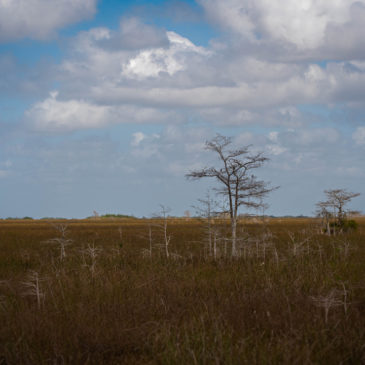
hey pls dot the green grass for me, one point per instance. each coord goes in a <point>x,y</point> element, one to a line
<point>127,306</point>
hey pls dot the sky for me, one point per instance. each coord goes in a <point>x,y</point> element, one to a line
<point>106,105</point>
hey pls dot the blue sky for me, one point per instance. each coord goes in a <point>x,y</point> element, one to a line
<point>106,105</point>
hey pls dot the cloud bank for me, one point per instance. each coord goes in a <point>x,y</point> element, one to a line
<point>110,74</point>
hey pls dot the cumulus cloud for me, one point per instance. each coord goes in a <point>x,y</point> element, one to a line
<point>40,19</point>
<point>303,24</point>
<point>115,77</point>
<point>91,63</point>
<point>171,60</point>
<point>184,75</point>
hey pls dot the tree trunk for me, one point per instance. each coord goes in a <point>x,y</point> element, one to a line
<point>210,236</point>
<point>234,238</point>
<point>215,246</point>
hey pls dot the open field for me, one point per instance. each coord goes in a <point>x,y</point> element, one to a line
<point>112,297</point>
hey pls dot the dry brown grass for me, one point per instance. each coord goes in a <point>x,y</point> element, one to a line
<point>294,295</point>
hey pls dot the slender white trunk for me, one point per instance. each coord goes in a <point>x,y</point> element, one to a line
<point>234,238</point>
<point>215,246</point>
<point>210,238</point>
<point>167,240</point>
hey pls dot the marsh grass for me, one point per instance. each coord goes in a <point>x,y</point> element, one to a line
<point>293,296</point>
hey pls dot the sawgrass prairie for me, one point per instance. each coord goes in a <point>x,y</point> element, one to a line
<point>103,291</point>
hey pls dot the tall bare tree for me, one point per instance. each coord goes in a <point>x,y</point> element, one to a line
<point>237,184</point>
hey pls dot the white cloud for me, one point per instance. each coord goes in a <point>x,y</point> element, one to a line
<point>52,114</point>
<point>39,19</point>
<point>303,85</point>
<point>150,63</point>
<point>245,95</point>
<point>114,81</point>
<point>273,136</point>
<point>359,136</point>
<point>302,23</point>
<point>274,149</point>
<point>320,153</point>
<point>55,115</point>
<point>138,137</point>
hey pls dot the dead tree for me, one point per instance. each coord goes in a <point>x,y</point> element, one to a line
<point>237,185</point>
<point>61,241</point>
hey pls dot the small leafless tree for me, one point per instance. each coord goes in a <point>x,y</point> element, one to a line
<point>208,211</point>
<point>163,214</point>
<point>335,298</point>
<point>63,241</point>
<point>32,286</point>
<point>237,184</point>
<point>92,252</point>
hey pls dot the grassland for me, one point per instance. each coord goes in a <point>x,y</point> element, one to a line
<point>294,296</point>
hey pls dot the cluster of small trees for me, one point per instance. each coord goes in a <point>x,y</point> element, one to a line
<point>335,217</point>
<point>240,187</point>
